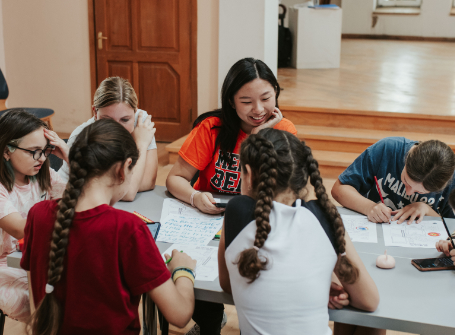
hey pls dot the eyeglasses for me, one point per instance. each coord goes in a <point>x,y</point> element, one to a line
<point>37,153</point>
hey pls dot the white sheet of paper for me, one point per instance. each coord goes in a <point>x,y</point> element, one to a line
<point>206,257</point>
<point>360,229</point>
<point>422,235</point>
<point>189,229</point>
<point>174,206</point>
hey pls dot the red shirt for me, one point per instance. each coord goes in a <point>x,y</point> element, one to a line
<point>111,259</point>
<point>215,174</point>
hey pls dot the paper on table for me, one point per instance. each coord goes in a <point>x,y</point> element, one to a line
<point>360,229</point>
<point>206,257</point>
<point>174,206</point>
<point>422,235</point>
<point>189,230</point>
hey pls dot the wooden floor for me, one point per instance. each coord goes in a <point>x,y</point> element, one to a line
<point>379,75</point>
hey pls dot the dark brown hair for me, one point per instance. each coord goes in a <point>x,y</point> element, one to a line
<point>241,73</point>
<point>279,161</point>
<point>14,125</point>
<point>431,163</point>
<point>96,149</point>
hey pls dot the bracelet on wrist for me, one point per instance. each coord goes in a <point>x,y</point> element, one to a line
<point>182,268</point>
<point>182,273</point>
<point>192,197</point>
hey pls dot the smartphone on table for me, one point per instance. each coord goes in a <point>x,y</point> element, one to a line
<point>433,264</point>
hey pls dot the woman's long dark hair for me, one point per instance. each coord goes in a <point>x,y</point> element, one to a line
<point>15,124</point>
<point>241,73</point>
<point>96,149</point>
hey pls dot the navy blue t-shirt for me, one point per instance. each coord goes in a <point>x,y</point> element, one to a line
<point>385,160</point>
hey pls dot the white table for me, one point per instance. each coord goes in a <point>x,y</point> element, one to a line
<point>411,301</point>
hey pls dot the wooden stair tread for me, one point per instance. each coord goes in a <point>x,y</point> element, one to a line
<point>365,135</point>
<point>176,145</point>
<point>334,158</point>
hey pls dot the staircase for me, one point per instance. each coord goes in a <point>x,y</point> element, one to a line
<point>337,136</point>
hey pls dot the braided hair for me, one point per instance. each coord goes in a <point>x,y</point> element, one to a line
<point>279,161</point>
<point>96,149</point>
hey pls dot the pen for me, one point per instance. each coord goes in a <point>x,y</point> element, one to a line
<point>379,191</point>
<point>170,259</point>
<point>447,229</point>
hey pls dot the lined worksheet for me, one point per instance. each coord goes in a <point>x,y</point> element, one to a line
<point>206,257</point>
<point>174,206</point>
<point>360,229</point>
<point>422,235</point>
<point>191,230</point>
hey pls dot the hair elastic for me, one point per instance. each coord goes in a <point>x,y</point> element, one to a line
<point>192,198</point>
<point>255,248</point>
<point>49,288</point>
<point>343,254</point>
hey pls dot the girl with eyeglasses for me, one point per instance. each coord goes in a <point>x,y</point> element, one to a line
<point>25,179</point>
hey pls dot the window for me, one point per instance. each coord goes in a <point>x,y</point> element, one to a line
<point>400,3</point>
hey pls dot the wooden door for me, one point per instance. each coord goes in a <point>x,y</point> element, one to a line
<point>152,43</point>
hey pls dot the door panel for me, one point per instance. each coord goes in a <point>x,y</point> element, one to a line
<point>162,95</point>
<point>121,69</point>
<point>161,32</point>
<point>119,27</point>
<point>149,42</point>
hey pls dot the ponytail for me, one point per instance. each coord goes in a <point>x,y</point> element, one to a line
<point>250,264</point>
<point>344,269</point>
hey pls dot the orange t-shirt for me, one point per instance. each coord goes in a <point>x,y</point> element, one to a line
<point>215,174</point>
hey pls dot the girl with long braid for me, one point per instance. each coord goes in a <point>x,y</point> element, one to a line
<point>277,252</point>
<point>100,260</point>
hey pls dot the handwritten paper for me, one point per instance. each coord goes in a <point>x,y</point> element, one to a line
<point>189,230</point>
<point>174,206</point>
<point>415,235</point>
<point>206,257</point>
<point>360,229</point>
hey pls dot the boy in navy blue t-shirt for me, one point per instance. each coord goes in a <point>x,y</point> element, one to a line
<point>415,180</point>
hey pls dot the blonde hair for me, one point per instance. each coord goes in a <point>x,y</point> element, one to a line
<point>114,90</point>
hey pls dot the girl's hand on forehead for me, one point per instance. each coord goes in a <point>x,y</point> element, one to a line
<point>144,131</point>
<point>61,149</point>
<point>271,122</point>
<point>205,202</point>
<point>415,211</point>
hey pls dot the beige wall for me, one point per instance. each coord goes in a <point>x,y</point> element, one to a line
<point>46,57</point>
<point>2,46</point>
<point>207,54</point>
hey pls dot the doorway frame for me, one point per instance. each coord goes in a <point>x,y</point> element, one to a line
<point>193,54</point>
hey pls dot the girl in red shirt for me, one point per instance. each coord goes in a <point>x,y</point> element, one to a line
<point>100,259</point>
<point>249,103</point>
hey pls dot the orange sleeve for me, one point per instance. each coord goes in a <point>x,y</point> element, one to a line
<point>286,125</point>
<point>197,150</point>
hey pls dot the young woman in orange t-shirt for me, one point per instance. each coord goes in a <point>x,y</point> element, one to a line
<point>249,103</point>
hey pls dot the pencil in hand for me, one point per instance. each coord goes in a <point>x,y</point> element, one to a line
<point>379,191</point>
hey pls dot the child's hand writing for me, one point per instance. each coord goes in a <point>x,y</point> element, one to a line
<point>338,297</point>
<point>205,202</point>
<point>271,122</point>
<point>144,131</point>
<point>447,248</point>
<point>61,148</point>
<point>414,211</point>
<point>379,213</point>
<point>180,259</point>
